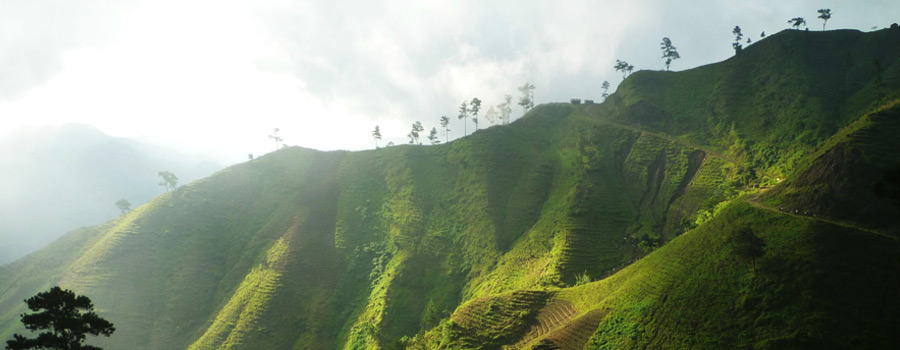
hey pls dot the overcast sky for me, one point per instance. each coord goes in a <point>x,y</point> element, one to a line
<point>216,76</point>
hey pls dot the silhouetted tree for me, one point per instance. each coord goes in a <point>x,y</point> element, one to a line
<point>464,114</point>
<point>376,134</point>
<point>825,15</point>
<point>276,138</point>
<point>124,205</point>
<point>736,45</point>
<point>762,35</point>
<point>747,245</point>
<point>505,108</point>
<point>527,99</point>
<point>623,67</point>
<point>796,22</point>
<point>475,107</point>
<point>445,123</point>
<point>432,136</point>
<point>249,156</point>
<point>414,133</point>
<point>605,88</point>
<point>669,52</point>
<point>68,319</point>
<point>168,179</point>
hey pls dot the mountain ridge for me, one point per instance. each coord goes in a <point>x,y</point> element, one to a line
<point>493,240</point>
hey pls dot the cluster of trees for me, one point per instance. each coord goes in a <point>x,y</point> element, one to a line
<point>796,22</point>
<point>167,179</point>
<point>824,15</point>
<point>496,114</point>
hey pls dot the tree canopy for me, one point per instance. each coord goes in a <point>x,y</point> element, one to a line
<point>796,22</point>
<point>169,180</point>
<point>669,52</point>
<point>124,205</point>
<point>825,15</point>
<point>624,67</point>
<point>376,134</point>
<point>736,45</point>
<point>464,114</point>
<point>68,319</point>
<point>445,123</point>
<point>527,99</point>
<point>475,107</point>
<point>414,133</point>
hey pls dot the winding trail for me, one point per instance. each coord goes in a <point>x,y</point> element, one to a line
<point>752,199</point>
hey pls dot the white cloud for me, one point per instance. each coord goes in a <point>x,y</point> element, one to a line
<point>216,76</point>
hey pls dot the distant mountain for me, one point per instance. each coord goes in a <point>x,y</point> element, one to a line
<point>745,204</point>
<point>56,179</point>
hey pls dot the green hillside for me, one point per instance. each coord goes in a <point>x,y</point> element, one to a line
<point>493,240</point>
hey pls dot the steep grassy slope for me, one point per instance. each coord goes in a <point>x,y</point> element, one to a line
<point>492,240</point>
<point>774,102</point>
<point>315,250</point>
<point>817,285</point>
<point>847,178</point>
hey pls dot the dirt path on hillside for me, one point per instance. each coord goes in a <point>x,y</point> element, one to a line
<point>752,199</point>
<point>668,137</point>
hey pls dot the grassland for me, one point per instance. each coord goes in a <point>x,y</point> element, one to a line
<point>596,226</point>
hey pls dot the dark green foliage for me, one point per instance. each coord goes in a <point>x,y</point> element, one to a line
<point>623,67</point>
<point>737,46</point>
<point>669,52</point>
<point>825,15</point>
<point>67,318</point>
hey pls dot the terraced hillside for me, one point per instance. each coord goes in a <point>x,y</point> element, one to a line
<point>493,240</point>
<point>325,250</point>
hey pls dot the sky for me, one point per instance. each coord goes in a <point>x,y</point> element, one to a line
<point>215,77</point>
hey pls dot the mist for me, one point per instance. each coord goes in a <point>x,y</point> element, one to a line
<point>57,179</point>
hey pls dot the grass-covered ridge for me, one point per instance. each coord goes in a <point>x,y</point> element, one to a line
<point>592,226</point>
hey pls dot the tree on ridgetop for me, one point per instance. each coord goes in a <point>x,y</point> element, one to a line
<point>68,319</point>
<point>669,52</point>
<point>623,67</point>
<point>432,136</point>
<point>505,109</point>
<point>491,115</point>
<point>414,133</point>
<point>605,88</point>
<point>736,45</point>
<point>825,15</point>
<point>277,138</point>
<point>796,22</point>
<point>376,134</point>
<point>475,107</point>
<point>445,123</point>
<point>168,179</point>
<point>527,99</point>
<point>464,114</point>
<point>124,205</point>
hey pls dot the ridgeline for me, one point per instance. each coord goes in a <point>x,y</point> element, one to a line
<point>751,203</point>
